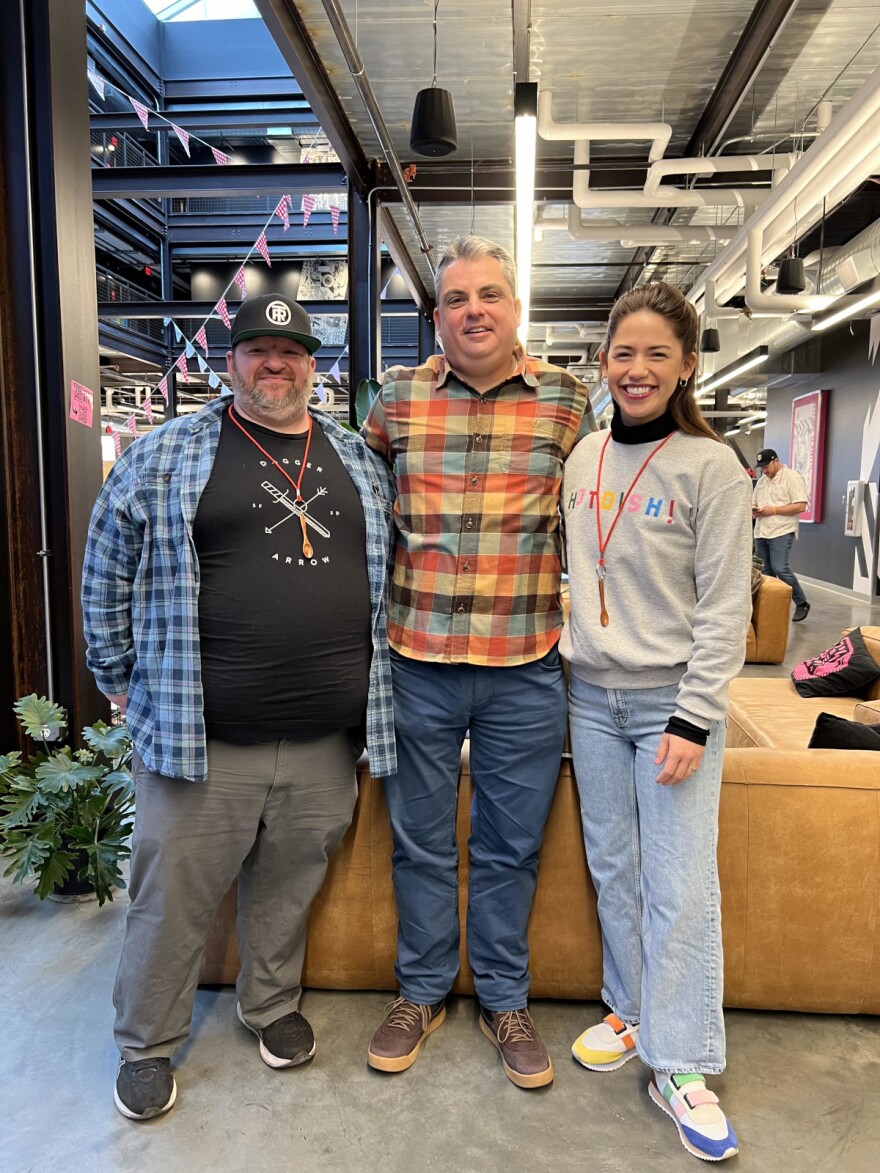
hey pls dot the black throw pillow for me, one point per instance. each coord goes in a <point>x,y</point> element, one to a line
<point>843,670</point>
<point>832,732</point>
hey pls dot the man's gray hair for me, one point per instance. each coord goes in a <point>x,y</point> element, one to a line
<point>471,248</point>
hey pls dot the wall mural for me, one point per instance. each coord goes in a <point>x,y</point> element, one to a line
<point>807,447</point>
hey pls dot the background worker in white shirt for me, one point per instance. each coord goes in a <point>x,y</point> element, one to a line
<point>779,498</point>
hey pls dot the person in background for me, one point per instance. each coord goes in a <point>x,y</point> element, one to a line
<point>658,538</point>
<point>233,595</point>
<point>779,498</point>
<point>477,437</point>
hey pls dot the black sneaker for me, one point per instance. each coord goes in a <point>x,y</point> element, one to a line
<point>144,1088</point>
<point>801,611</point>
<point>287,1042</point>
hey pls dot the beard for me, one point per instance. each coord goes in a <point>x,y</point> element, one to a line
<point>281,407</point>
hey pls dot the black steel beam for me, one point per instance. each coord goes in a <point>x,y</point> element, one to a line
<point>112,183</point>
<point>423,298</point>
<point>203,309</point>
<point>240,229</point>
<point>198,120</point>
<point>766,22</point>
<point>566,309</point>
<point>234,89</point>
<point>289,32</point>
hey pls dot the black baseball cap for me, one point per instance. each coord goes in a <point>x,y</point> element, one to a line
<point>765,456</point>
<point>275,315</point>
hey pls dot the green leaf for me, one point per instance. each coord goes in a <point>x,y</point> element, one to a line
<point>111,742</point>
<point>21,805</point>
<point>61,772</point>
<point>10,762</point>
<point>367,390</point>
<point>118,781</point>
<point>29,854</point>
<point>37,714</point>
<point>55,870</point>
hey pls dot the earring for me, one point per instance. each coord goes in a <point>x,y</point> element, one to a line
<point>682,382</point>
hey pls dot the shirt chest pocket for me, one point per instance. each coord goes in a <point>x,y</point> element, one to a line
<point>530,450</point>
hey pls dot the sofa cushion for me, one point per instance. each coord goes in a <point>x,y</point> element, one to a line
<point>767,711</point>
<point>832,732</point>
<point>842,670</point>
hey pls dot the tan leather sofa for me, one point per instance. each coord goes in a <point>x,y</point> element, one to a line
<point>767,639</point>
<point>799,859</point>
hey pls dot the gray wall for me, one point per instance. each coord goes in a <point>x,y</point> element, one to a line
<point>823,552</point>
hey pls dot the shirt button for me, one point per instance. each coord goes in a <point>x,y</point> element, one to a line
<point>478,439</point>
<point>461,610</point>
<point>469,524</point>
<point>466,566</point>
<point>475,480</point>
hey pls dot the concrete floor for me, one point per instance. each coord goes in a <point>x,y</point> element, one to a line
<point>803,1091</point>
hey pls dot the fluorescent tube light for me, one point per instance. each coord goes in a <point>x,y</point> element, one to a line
<point>849,311</point>
<point>732,432</point>
<point>525,108</point>
<point>727,374</point>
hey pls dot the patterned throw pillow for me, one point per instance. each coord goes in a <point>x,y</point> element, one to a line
<point>843,670</point>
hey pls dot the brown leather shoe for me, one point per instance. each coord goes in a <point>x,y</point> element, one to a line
<point>523,1055</point>
<point>395,1045</point>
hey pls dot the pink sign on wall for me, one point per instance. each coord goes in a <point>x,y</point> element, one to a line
<point>807,451</point>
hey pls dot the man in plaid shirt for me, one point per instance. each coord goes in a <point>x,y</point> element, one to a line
<point>476,437</point>
<point>234,601</point>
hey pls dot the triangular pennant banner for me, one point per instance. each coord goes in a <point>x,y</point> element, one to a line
<point>183,135</point>
<point>308,206</point>
<point>334,216</point>
<point>117,442</point>
<point>142,112</point>
<point>189,350</point>
<point>219,158</point>
<point>178,336</point>
<point>213,379</point>
<point>321,392</point>
<point>239,280</point>
<point>202,338</point>
<point>148,409</point>
<point>97,81</point>
<point>181,366</point>
<point>281,212</point>
<point>132,425</point>
<point>203,366</point>
<point>262,247</point>
<point>223,311</point>
<point>163,387</point>
<point>333,373</point>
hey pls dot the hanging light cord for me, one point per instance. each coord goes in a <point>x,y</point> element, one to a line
<point>436,6</point>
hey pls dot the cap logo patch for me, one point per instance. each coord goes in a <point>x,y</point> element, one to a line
<point>278,313</point>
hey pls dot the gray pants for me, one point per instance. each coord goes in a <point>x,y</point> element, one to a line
<point>270,814</point>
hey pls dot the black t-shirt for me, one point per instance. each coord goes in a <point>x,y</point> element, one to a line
<point>285,637</point>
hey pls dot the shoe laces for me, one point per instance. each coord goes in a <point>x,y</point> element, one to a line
<point>514,1026</point>
<point>404,1015</point>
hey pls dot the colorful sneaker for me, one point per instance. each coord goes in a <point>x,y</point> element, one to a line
<point>144,1088</point>
<point>702,1126</point>
<point>523,1054</point>
<point>607,1045</point>
<point>396,1044</point>
<point>286,1042</point>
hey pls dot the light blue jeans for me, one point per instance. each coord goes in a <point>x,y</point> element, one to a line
<point>652,856</point>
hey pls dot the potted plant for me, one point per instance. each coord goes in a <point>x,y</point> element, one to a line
<point>65,814</point>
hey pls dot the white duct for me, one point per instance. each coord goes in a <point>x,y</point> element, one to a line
<point>635,235</point>
<point>778,303</point>
<point>714,166</point>
<point>837,162</point>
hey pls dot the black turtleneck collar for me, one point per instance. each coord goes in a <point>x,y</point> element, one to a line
<point>653,430</point>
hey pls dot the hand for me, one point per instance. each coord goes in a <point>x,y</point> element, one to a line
<point>681,758</point>
<point>120,700</point>
<point>763,510</point>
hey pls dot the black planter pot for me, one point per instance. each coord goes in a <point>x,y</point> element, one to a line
<point>74,890</point>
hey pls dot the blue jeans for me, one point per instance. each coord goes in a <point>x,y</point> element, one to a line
<point>516,717</point>
<point>774,553</point>
<point>652,856</point>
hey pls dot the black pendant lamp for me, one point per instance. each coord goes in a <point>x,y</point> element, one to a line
<point>792,276</point>
<point>433,122</point>
<point>710,340</point>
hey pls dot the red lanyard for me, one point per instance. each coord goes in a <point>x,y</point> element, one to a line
<point>603,545</point>
<point>299,503</point>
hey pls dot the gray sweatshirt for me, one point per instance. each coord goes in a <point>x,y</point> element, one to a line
<point>678,569</point>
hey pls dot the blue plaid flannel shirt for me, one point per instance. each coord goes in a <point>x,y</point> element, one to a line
<point>140,588</point>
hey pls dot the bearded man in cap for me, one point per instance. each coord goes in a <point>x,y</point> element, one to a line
<point>233,598</point>
<point>778,500</point>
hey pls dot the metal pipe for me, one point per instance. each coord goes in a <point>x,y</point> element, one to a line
<point>358,72</point>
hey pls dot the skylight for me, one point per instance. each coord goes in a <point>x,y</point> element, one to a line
<point>181,10</point>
